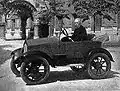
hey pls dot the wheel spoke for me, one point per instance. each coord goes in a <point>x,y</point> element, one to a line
<point>104,66</point>
<point>29,75</point>
<point>97,70</point>
<point>99,59</point>
<point>17,67</point>
<point>93,64</point>
<point>92,67</point>
<point>100,70</point>
<point>103,70</point>
<point>27,72</point>
<point>94,70</point>
<point>33,78</point>
<point>102,62</point>
<point>41,69</point>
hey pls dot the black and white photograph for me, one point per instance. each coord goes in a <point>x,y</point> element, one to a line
<point>59,45</point>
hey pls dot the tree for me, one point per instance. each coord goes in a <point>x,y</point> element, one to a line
<point>92,8</point>
<point>4,9</point>
<point>4,6</point>
<point>115,8</point>
<point>55,9</point>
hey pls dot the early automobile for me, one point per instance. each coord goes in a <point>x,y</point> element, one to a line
<point>32,62</point>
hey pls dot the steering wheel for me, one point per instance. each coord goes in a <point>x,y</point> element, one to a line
<point>64,31</point>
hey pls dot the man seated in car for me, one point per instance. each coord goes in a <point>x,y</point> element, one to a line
<point>80,33</point>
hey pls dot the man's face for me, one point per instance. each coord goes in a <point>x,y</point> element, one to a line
<point>77,24</point>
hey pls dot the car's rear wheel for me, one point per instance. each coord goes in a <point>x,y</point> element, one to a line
<point>35,73</point>
<point>99,66</point>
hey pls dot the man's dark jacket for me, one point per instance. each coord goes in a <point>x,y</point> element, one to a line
<point>79,34</point>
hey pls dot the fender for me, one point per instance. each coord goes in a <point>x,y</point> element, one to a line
<point>18,51</point>
<point>100,50</point>
<point>31,55</point>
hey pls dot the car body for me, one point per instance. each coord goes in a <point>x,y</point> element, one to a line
<point>56,49</point>
<point>52,51</point>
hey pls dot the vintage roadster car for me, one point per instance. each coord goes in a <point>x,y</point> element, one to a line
<point>33,61</point>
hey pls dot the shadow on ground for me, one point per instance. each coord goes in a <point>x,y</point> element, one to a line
<point>4,54</point>
<point>114,74</point>
<point>69,75</point>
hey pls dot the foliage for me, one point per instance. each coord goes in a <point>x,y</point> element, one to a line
<point>83,9</point>
<point>115,6</point>
<point>90,7</point>
<point>4,6</point>
<point>55,8</point>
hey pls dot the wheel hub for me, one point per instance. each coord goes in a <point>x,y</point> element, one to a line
<point>98,65</point>
<point>34,72</point>
<point>36,75</point>
<point>34,69</point>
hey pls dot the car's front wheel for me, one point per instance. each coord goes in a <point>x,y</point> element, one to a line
<point>35,72</point>
<point>15,65</point>
<point>99,66</point>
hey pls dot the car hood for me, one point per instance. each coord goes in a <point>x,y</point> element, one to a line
<point>39,41</point>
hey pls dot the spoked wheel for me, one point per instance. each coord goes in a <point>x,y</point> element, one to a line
<point>15,65</point>
<point>99,66</point>
<point>35,73</point>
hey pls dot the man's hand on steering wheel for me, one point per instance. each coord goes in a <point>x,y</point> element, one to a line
<point>64,31</point>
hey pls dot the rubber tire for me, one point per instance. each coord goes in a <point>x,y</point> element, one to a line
<point>92,75</point>
<point>30,82</point>
<point>13,68</point>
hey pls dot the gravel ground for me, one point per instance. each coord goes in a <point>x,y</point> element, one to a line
<point>6,47</point>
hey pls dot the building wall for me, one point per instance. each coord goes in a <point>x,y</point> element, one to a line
<point>13,28</point>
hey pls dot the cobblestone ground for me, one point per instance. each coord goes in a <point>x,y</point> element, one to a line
<point>60,79</point>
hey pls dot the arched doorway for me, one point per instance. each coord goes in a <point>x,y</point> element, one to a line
<point>24,11</point>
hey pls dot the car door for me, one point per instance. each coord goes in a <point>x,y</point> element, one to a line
<point>76,49</point>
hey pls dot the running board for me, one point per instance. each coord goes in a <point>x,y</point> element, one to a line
<point>74,65</point>
<point>70,65</point>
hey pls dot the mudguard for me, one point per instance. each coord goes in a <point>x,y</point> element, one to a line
<point>32,55</point>
<point>100,50</point>
<point>18,52</point>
